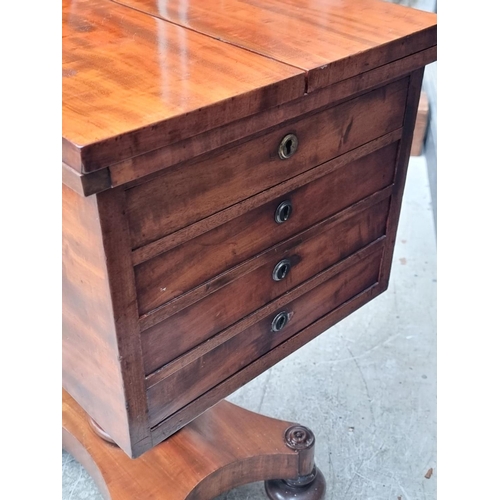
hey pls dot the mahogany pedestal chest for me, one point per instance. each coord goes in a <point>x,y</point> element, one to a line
<point>232,180</point>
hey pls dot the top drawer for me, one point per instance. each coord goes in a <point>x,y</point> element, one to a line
<point>185,194</point>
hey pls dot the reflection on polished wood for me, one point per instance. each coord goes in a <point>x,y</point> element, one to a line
<point>331,39</point>
<point>128,73</point>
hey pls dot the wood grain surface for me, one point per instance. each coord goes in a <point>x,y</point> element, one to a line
<point>184,195</point>
<point>91,370</point>
<point>203,373</point>
<point>132,83</point>
<point>182,417</point>
<point>102,358</point>
<point>255,317</point>
<point>186,151</point>
<point>309,254</point>
<point>192,231</point>
<point>187,266</point>
<point>330,39</point>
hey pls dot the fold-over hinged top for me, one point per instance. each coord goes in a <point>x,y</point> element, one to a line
<point>139,75</point>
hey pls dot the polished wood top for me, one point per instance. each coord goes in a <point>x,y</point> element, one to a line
<point>147,74</point>
<point>133,83</point>
<point>331,39</point>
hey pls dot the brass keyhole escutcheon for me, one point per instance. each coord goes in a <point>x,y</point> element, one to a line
<point>288,146</point>
<point>279,321</point>
<point>283,212</point>
<point>281,270</point>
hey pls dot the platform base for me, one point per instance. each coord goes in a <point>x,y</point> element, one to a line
<point>225,447</point>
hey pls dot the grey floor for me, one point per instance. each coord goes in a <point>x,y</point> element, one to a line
<point>366,387</point>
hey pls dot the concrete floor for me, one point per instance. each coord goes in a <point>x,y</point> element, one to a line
<point>366,387</point>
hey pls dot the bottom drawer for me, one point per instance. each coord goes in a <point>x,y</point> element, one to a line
<point>194,379</point>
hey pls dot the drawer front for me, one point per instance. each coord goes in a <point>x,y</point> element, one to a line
<point>274,273</point>
<point>205,372</point>
<point>179,270</point>
<point>188,193</point>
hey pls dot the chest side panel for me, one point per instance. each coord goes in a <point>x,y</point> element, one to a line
<point>102,359</point>
<point>91,370</point>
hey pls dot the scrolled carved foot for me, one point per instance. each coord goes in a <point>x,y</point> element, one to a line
<point>310,487</point>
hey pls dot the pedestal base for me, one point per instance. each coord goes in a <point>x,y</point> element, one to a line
<point>225,447</point>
